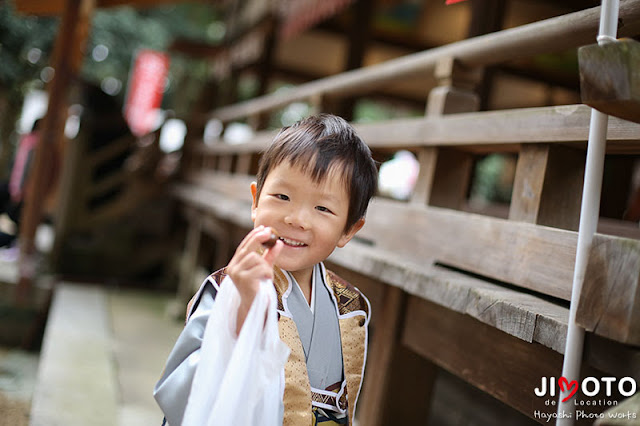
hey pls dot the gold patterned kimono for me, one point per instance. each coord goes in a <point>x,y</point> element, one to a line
<point>353,312</point>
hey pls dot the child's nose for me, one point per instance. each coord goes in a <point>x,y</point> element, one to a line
<point>298,218</point>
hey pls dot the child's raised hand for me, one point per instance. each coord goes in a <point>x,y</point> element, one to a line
<point>248,267</point>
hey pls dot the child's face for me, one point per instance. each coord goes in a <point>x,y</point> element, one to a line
<point>309,217</point>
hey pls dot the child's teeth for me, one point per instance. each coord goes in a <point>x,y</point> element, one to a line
<point>291,242</point>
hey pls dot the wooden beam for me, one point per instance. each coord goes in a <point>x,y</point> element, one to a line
<point>358,37</point>
<point>523,41</point>
<point>68,52</point>
<point>386,398</point>
<point>487,131</point>
<point>501,365</point>
<point>508,368</point>
<point>609,78</point>
<point>610,299</point>
<point>541,258</point>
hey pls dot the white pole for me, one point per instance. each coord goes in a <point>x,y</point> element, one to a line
<point>589,213</point>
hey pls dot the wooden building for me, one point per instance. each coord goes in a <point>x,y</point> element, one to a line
<point>471,302</point>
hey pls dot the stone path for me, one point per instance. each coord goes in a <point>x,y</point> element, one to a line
<point>142,339</point>
<point>102,353</point>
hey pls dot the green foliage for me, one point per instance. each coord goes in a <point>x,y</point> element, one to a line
<point>20,35</point>
<point>368,110</point>
<point>489,183</point>
<point>123,31</point>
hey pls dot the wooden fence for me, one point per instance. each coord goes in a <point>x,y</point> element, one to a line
<point>482,296</point>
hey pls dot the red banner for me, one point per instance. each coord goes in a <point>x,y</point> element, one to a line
<point>145,89</point>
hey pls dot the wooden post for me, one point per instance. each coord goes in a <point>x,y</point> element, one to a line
<point>358,37</point>
<point>67,59</point>
<point>547,188</point>
<point>189,261</point>
<point>609,78</point>
<point>445,172</point>
<point>265,66</point>
<point>387,399</point>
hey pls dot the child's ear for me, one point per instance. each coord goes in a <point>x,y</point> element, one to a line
<point>254,204</point>
<point>347,236</point>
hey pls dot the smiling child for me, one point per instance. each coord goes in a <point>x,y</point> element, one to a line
<point>313,188</point>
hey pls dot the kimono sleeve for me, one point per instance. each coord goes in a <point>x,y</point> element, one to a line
<point>172,390</point>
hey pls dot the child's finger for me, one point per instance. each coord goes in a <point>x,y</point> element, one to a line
<point>250,237</point>
<point>272,253</point>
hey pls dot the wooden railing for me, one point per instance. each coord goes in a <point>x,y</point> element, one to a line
<point>481,296</point>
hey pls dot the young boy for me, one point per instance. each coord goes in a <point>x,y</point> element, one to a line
<point>313,188</point>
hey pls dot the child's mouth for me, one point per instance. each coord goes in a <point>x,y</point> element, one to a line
<point>292,243</point>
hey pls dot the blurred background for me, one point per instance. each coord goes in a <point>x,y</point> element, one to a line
<point>99,213</point>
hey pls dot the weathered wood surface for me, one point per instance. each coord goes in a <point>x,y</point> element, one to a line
<point>610,299</point>
<point>499,364</point>
<point>526,255</point>
<point>488,131</point>
<point>547,188</point>
<point>66,60</point>
<point>610,78</point>
<point>555,34</point>
<point>627,413</point>
<point>522,315</point>
<point>385,398</point>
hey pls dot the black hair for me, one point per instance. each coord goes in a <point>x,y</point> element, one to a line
<point>319,143</point>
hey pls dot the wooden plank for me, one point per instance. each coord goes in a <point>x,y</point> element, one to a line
<point>235,186</point>
<point>626,413</point>
<point>548,186</point>
<point>614,358</point>
<point>610,299</point>
<point>113,149</point>
<point>507,368</point>
<point>522,315</point>
<point>523,41</point>
<point>609,78</point>
<point>479,131</point>
<point>222,206</point>
<point>540,258</point>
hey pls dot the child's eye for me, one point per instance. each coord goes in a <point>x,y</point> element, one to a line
<point>281,197</point>
<point>323,209</point>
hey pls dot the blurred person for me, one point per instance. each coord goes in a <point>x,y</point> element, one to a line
<point>12,192</point>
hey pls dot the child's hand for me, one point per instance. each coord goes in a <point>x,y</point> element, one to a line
<point>248,267</point>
